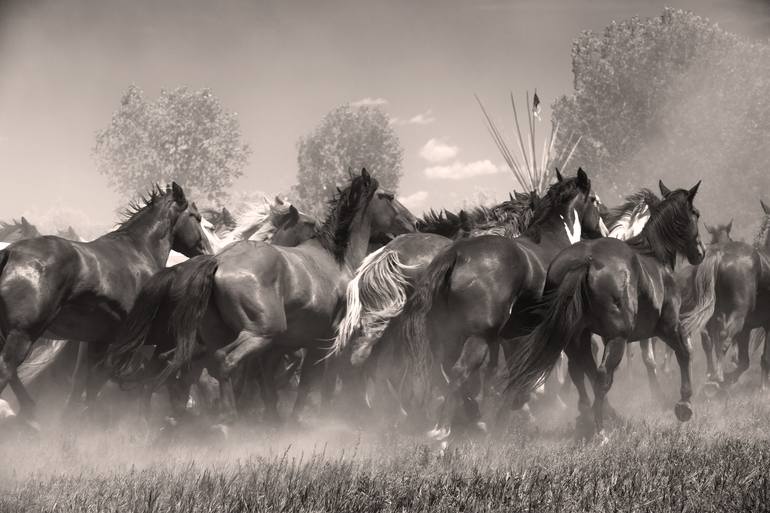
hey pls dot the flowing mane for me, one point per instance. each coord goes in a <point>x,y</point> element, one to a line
<point>558,194</point>
<point>762,238</point>
<point>509,218</point>
<point>631,206</point>
<point>664,234</point>
<point>334,233</point>
<point>136,207</point>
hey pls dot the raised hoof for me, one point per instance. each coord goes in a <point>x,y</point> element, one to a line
<point>584,428</point>
<point>438,434</point>
<point>683,411</point>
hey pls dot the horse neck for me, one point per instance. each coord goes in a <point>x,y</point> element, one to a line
<point>553,238</point>
<point>358,241</point>
<point>151,233</point>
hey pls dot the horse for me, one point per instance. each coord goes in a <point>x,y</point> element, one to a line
<point>731,297</point>
<point>148,321</point>
<point>378,291</point>
<point>55,288</point>
<point>620,290</point>
<point>16,230</point>
<point>474,290</point>
<point>254,296</point>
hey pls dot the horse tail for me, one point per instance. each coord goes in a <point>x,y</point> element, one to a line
<point>433,283</point>
<point>699,299</point>
<point>134,329</point>
<point>375,295</point>
<point>191,296</point>
<point>534,355</point>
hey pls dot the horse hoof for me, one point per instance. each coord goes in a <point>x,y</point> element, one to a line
<point>602,438</point>
<point>683,411</point>
<point>712,389</point>
<point>482,427</point>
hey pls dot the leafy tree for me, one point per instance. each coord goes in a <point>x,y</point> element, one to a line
<point>673,97</point>
<point>347,138</point>
<point>185,136</point>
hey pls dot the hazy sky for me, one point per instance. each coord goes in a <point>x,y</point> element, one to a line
<point>281,65</point>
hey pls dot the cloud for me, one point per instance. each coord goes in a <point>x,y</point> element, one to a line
<point>414,200</point>
<point>460,170</point>
<point>423,118</point>
<point>436,151</point>
<point>369,102</point>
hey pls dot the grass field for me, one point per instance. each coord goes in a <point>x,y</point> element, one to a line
<point>720,461</point>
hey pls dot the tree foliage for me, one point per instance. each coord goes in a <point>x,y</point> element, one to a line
<point>673,97</point>
<point>185,136</point>
<point>348,138</point>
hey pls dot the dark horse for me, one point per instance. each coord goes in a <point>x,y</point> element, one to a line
<point>622,291</point>
<point>255,296</point>
<point>476,290</point>
<point>730,297</point>
<point>81,291</point>
<point>148,321</point>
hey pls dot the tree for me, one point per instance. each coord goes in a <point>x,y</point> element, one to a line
<point>673,97</point>
<point>347,138</point>
<point>184,136</point>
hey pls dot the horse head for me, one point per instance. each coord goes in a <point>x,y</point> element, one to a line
<point>678,219</point>
<point>187,236</point>
<point>720,233</point>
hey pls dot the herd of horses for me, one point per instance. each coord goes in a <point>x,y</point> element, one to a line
<point>399,320</point>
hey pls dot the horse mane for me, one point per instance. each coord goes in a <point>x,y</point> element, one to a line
<point>509,218</point>
<point>546,207</point>
<point>762,237</point>
<point>138,206</point>
<point>630,206</point>
<point>663,235</point>
<point>334,233</point>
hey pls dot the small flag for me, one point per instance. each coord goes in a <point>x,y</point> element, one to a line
<point>536,106</point>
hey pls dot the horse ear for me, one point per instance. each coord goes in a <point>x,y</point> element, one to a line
<point>278,200</point>
<point>510,197</point>
<point>178,193</point>
<point>293,216</point>
<point>665,191</point>
<point>24,221</point>
<point>365,175</point>
<point>765,207</point>
<point>692,192</point>
<point>729,226</point>
<point>582,179</point>
<point>559,178</point>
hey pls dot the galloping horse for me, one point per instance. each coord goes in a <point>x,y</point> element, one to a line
<point>378,291</point>
<point>255,296</point>
<point>148,323</point>
<point>81,291</point>
<point>477,288</point>
<point>730,297</point>
<point>621,291</point>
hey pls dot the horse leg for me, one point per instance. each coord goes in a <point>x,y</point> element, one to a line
<point>311,371</point>
<point>266,377</point>
<point>79,376</point>
<point>226,359</point>
<point>708,346</point>
<point>17,346</point>
<point>742,340</point>
<point>675,336</point>
<point>765,360</point>
<point>613,354</point>
<point>579,351</point>
<point>648,357</point>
